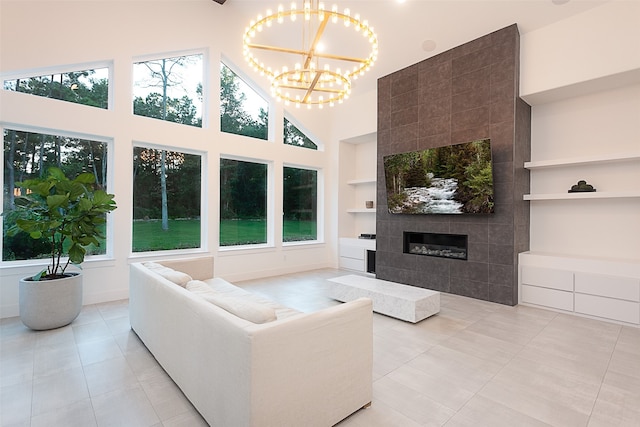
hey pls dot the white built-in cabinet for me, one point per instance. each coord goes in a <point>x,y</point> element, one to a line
<point>605,289</point>
<point>353,253</point>
<point>603,285</point>
<point>357,185</point>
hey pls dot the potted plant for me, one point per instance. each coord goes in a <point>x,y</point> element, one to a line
<point>69,214</point>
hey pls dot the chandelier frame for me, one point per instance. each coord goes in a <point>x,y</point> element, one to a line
<point>308,77</point>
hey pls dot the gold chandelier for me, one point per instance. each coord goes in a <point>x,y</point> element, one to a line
<point>289,47</point>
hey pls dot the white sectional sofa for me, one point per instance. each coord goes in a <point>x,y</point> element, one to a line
<point>299,369</point>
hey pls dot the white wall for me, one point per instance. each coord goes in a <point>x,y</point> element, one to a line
<point>582,78</point>
<point>68,33</point>
<point>596,50</point>
<point>598,124</point>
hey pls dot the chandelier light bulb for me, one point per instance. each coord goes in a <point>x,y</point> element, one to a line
<point>280,16</point>
<point>307,10</point>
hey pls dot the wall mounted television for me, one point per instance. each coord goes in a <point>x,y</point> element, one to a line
<point>454,179</point>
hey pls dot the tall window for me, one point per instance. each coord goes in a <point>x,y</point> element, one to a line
<point>294,136</point>
<point>166,200</point>
<point>169,89</point>
<point>242,110</point>
<point>87,87</point>
<point>300,205</point>
<point>243,202</point>
<point>28,155</point>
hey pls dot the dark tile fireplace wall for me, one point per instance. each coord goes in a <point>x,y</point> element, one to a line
<point>467,93</point>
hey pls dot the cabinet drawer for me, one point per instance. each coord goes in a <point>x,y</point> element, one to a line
<point>627,288</point>
<point>352,264</point>
<point>352,252</point>
<point>547,278</point>
<point>547,297</point>
<point>609,308</point>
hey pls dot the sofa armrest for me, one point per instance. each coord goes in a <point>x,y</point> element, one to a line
<point>314,368</point>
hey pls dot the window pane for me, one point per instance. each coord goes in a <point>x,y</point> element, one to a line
<point>87,87</point>
<point>300,202</point>
<point>242,110</point>
<point>166,200</point>
<point>293,136</point>
<point>29,155</point>
<point>243,203</point>
<point>169,89</point>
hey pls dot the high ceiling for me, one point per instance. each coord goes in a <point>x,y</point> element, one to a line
<point>412,31</point>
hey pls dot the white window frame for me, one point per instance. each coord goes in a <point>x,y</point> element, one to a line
<point>270,221</point>
<point>319,203</point>
<point>254,86</point>
<point>60,69</point>
<point>204,223</point>
<point>302,129</point>
<point>206,89</point>
<point>110,230</point>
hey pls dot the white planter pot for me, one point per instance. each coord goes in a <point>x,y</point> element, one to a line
<point>50,304</point>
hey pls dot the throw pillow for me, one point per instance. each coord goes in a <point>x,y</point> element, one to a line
<point>199,287</point>
<point>241,307</point>
<point>177,277</point>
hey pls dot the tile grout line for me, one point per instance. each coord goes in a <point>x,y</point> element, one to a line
<point>504,366</point>
<point>605,373</point>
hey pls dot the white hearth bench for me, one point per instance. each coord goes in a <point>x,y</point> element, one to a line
<point>403,302</point>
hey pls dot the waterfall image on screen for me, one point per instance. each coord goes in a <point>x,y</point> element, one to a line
<point>455,179</point>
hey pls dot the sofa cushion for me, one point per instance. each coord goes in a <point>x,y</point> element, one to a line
<point>177,277</point>
<point>239,306</point>
<point>199,287</point>
<point>223,287</point>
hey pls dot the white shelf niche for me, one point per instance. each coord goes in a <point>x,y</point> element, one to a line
<point>615,157</point>
<point>586,195</point>
<point>361,210</point>
<point>361,181</point>
<point>357,167</point>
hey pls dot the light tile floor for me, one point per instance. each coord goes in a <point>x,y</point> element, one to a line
<point>474,364</point>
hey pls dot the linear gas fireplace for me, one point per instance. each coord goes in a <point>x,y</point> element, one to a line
<point>436,244</point>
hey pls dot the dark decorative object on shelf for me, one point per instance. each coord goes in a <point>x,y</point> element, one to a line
<point>582,187</point>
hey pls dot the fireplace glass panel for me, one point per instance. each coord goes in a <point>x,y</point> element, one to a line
<point>436,244</point>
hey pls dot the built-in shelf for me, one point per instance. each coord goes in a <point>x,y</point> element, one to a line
<point>361,210</point>
<point>591,195</point>
<point>361,181</point>
<point>619,157</point>
<point>357,165</point>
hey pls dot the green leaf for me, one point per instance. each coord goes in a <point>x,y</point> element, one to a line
<point>38,276</point>
<point>100,197</point>
<point>57,174</point>
<point>57,201</point>
<point>85,178</point>
<point>76,253</point>
<point>40,188</point>
<point>85,204</point>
